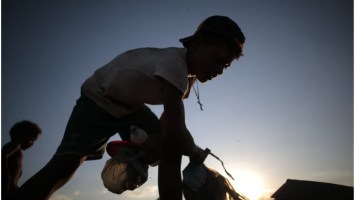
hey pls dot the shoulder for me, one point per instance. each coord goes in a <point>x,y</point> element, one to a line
<point>5,146</point>
<point>18,153</point>
<point>9,148</point>
<point>172,67</point>
<point>152,55</point>
<point>168,51</point>
<point>173,57</point>
<point>174,52</point>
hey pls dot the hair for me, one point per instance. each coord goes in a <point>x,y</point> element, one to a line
<point>25,128</point>
<point>217,40</point>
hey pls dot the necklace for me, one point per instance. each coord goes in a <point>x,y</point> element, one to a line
<point>197,95</point>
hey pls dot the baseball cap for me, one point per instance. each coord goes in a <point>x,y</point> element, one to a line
<point>219,26</point>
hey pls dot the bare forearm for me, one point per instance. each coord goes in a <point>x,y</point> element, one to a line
<point>180,140</point>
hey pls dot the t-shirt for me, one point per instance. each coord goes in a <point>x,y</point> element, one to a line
<point>129,81</point>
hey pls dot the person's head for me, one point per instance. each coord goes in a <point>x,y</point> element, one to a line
<point>26,133</point>
<point>217,42</point>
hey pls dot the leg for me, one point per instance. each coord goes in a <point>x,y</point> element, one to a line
<point>169,176</point>
<point>169,171</point>
<point>59,170</point>
<point>87,132</point>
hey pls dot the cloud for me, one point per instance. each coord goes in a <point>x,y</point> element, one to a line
<point>77,192</point>
<point>59,197</point>
<point>144,192</point>
<point>104,191</point>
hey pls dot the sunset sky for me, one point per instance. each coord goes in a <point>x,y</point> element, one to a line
<point>283,111</point>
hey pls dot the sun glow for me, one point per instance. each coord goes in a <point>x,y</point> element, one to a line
<point>247,183</point>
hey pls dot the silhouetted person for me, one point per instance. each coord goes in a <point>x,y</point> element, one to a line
<point>23,134</point>
<point>114,98</point>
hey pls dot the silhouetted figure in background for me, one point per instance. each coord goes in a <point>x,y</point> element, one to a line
<point>23,134</point>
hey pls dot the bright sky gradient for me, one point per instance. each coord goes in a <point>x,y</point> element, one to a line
<point>283,111</point>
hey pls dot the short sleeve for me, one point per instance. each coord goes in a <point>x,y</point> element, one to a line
<point>173,70</point>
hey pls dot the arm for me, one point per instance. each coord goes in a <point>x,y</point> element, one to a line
<point>186,95</point>
<point>179,141</point>
<point>172,121</point>
<point>162,120</point>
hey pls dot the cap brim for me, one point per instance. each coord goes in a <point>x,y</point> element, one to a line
<point>183,40</point>
<point>112,146</point>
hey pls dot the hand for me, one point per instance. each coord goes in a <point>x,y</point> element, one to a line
<point>200,156</point>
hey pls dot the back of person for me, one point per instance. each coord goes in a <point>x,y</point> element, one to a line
<point>128,81</point>
<point>11,173</point>
<point>15,161</point>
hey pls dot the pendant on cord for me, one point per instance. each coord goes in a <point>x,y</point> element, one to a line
<point>197,95</point>
<point>200,104</point>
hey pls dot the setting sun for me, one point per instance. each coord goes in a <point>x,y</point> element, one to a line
<point>247,183</point>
